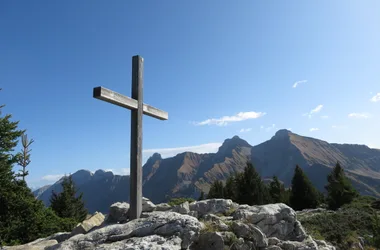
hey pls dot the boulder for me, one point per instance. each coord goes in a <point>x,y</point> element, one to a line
<point>307,244</point>
<point>213,206</point>
<point>274,220</point>
<point>250,232</point>
<point>216,222</point>
<point>118,212</point>
<point>151,242</point>
<point>59,236</point>
<point>273,248</point>
<point>147,205</point>
<point>39,244</point>
<point>95,220</point>
<point>165,224</point>
<point>163,207</point>
<point>273,241</point>
<point>209,241</point>
<point>182,208</point>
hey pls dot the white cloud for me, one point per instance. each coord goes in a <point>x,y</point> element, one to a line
<point>314,111</point>
<point>261,127</point>
<point>298,82</point>
<point>314,129</point>
<point>338,127</point>
<point>119,171</point>
<point>52,177</point>
<point>244,130</point>
<point>242,116</point>
<point>375,98</point>
<point>359,115</point>
<point>169,152</point>
<point>324,116</point>
<point>267,129</point>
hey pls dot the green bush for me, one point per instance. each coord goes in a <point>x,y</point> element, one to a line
<point>343,227</point>
<point>179,201</point>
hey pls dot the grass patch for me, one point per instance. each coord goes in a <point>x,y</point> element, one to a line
<point>343,227</point>
<point>179,201</point>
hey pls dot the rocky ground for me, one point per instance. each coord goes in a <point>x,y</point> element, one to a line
<point>214,224</point>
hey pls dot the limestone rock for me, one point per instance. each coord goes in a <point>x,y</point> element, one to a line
<point>39,244</point>
<point>274,220</point>
<point>147,205</point>
<point>59,236</point>
<point>273,248</point>
<point>250,232</point>
<point>118,212</point>
<point>163,207</point>
<point>229,238</point>
<point>273,241</point>
<point>165,224</point>
<point>216,222</point>
<point>209,241</point>
<point>307,244</point>
<point>213,206</point>
<point>152,242</point>
<point>194,214</point>
<point>95,220</point>
<point>182,208</point>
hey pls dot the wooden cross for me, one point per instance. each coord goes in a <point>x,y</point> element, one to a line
<point>138,108</point>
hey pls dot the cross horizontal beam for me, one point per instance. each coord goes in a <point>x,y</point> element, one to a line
<point>127,102</point>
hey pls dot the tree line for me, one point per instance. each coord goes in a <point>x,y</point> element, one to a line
<point>248,188</point>
<point>23,218</point>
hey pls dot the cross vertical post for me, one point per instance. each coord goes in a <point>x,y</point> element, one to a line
<point>136,139</point>
<point>138,108</point>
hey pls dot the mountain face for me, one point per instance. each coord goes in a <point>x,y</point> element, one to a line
<point>187,174</point>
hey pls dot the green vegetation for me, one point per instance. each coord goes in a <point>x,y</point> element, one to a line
<point>179,201</point>
<point>343,227</point>
<point>23,218</point>
<point>66,204</point>
<point>339,189</point>
<point>243,188</point>
<point>303,193</point>
<point>277,191</point>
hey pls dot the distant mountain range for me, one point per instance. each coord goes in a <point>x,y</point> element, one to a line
<point>187,174</point>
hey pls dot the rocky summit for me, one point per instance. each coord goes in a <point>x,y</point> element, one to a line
<point>208,224</point>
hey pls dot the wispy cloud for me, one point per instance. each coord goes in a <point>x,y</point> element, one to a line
<point>119,171</point>
<point>375,98</point>
<point>359,115</point>
<point>337,127</point>
<point>244,130</point>
<point>169,152</point>
<point>324,116</point>
<point>267,129</point>
<point>52,177</point>
<point>313,129</point>
<point>242,116</point>
<point>314,111</point>
<point>298,83</point>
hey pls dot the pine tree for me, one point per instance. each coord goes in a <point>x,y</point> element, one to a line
<point>303,193</point>
<point>216,190</point>
<point>66,204</point>
<point>22,216</point>
<point>24,157</point>
<point>250,187</point>
<point>277,191</point>
<point>339,188</point>
<point>230,189</point>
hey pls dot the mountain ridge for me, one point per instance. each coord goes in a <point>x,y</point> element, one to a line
<point>187,173</point>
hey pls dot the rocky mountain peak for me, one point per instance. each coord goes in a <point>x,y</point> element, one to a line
<point>282,134</point>
<point>155,157</point>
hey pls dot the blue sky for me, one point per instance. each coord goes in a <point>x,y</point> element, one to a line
<point>219,68</point>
